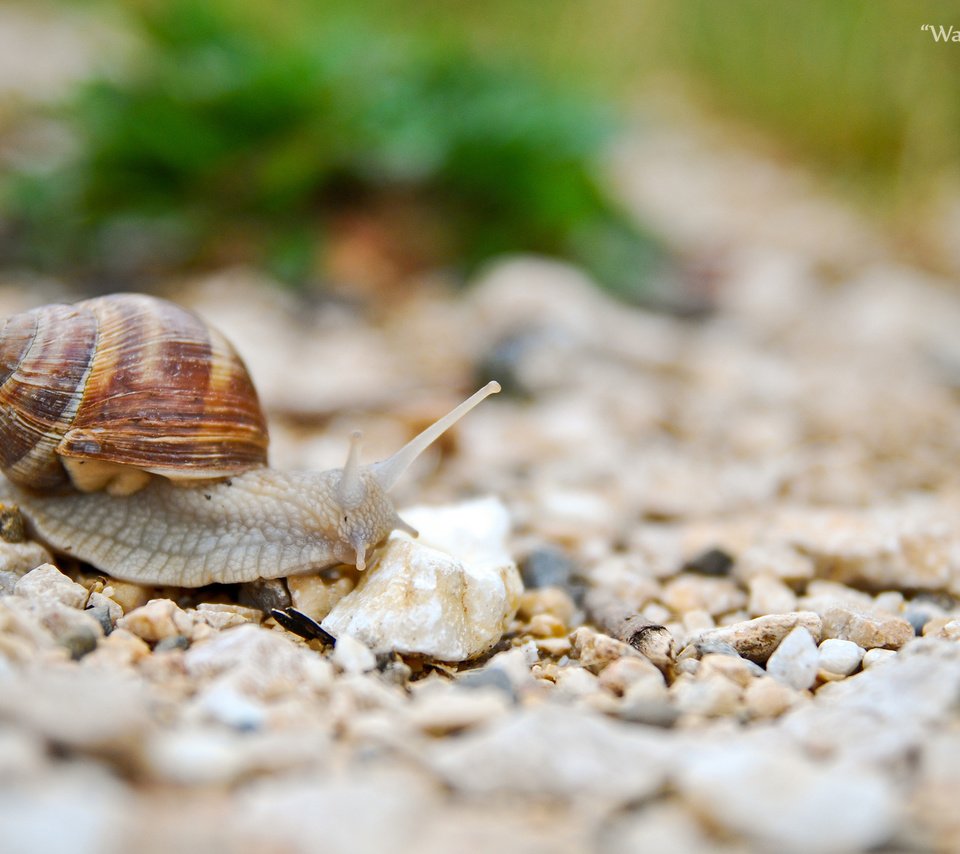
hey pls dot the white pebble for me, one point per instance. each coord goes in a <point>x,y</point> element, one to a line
<point>576,682</point>
<point>795,660</point>
<point>352,655</point>
<point>877,656</point>
<point>19,558</point>
<point>47,584</point>
<point>448,595</point>
<point>840,656</point>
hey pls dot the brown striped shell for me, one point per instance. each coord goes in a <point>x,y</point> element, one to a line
<point>126,380</point>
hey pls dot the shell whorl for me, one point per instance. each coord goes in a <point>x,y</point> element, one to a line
<point>125,379</point>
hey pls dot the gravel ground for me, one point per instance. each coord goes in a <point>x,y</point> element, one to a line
<point>738,535</point>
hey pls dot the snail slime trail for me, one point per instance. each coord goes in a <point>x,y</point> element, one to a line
<point>132,438</point>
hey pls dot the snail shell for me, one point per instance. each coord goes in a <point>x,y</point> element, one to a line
<point>105,392</point>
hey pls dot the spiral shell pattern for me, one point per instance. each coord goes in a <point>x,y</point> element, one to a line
<point>126,379</point>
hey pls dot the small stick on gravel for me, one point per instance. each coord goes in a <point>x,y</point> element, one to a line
<point>648,638</point>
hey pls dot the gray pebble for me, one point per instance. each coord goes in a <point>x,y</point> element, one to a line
<point>101,613</point>
<point>918,617</point>
<point>172,642</point>
<point>547,567</point>
<point>79,641</point>
<point>487,677</point>
<point>658,713</point>
<point>715,562</point>
<point>503,362</point>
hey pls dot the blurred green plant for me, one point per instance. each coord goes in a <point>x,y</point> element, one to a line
<point>254,131</point>
<point>854,88</point>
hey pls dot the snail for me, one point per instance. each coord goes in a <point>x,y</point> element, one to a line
<point>131,437</point>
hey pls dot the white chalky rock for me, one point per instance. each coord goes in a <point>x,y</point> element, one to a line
<point>448,594</point>
<point>794,662</point>
<point>840,656</point>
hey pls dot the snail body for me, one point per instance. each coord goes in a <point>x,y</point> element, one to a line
<point>131,437</point>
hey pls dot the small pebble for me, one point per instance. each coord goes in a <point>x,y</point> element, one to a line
<point>795,660</point>
<point>620,676</point>
<point>11,524</point>
<point>555,647</point>
<point>574,681</point>
<point>79,641</point>
<point>890,601</point>
<point>19,558</point>
<point>866,629</point>
<point>220,616</point>
<point>259,661</point>
<point>47,584</point>
<point>596,650</point>
<point>739,670</point>
<point>757,639</point>
<point>546,626</point>
<point>119,649</point>
<point>504,359</point>
<point>171,643</point>
<point>949,630</point>
<point>516,663</point>
<point>918,616</point>
<point>547,600</point>
<point>127,594</point>
<point>317,595</point>
<point>709,696</point>
<point>352,655</point>
<point>105,610</point>
<point>487,677</point>
<point>877,656</point>
<point>547,567</point>
<point>158,619</point>
<point>658,712</point>
<point>840,656</point>
<point>714,562</point>
<point>767,697</point>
